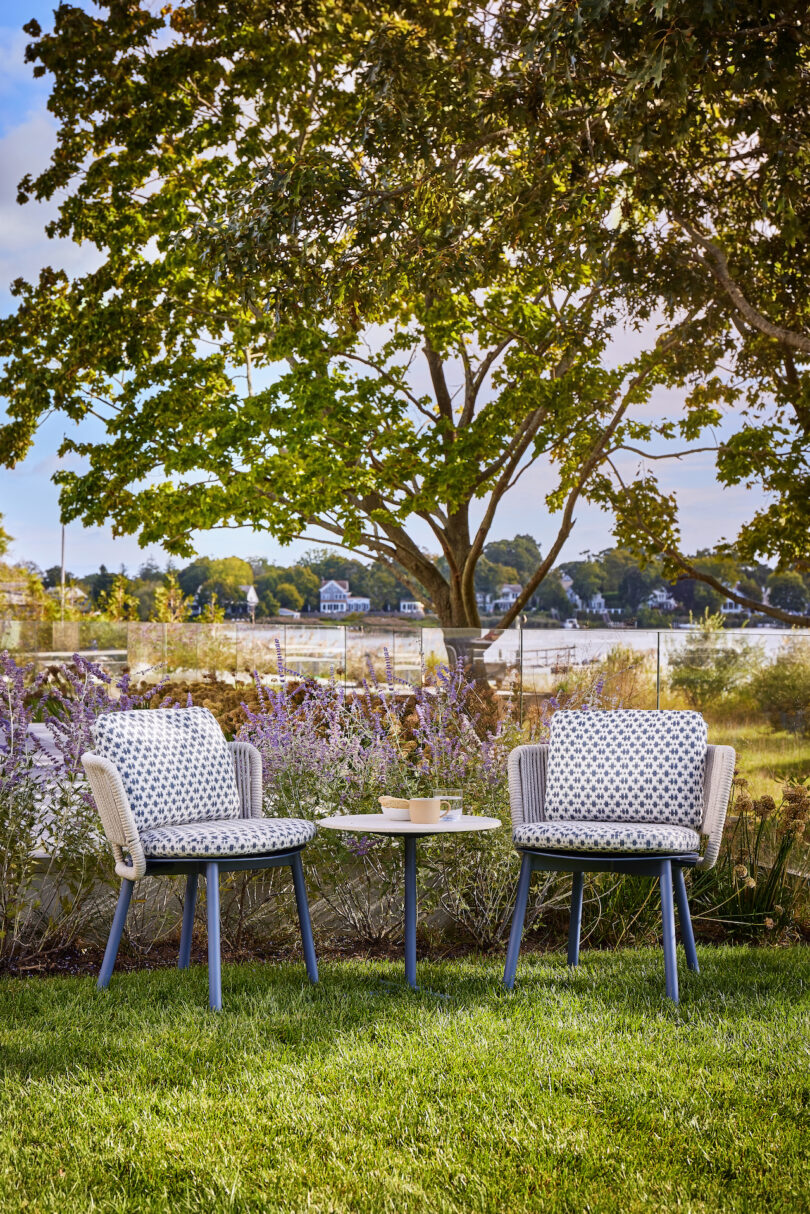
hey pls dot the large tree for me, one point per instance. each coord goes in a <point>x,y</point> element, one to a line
<point>702,113</point>
<point>415,273</point>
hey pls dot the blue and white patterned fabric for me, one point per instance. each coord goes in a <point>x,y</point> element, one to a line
<point>606,837</point>
<point>244,837</point>
<point>174,764</point>
<point>626,766</point>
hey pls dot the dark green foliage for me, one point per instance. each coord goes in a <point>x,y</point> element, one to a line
<point>709,666</point>
<point>782,689</point>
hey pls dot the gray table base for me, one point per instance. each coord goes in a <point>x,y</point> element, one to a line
<point>210,868</point>
<point>667,868</point>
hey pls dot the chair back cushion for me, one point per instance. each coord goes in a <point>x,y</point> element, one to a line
<point>626,766</point>
<point>174,764</point>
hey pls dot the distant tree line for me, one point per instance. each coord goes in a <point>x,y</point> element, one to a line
<point>215,588</point>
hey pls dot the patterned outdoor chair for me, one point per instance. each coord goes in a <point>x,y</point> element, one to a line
<point>622,791</point>
<point>174,797</point>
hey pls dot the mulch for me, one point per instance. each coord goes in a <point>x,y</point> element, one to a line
<point>81,959</point>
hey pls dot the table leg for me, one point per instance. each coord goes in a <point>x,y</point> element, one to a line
<point>410,910</point>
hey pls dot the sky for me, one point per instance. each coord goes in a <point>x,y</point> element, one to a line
<point>29,499</point>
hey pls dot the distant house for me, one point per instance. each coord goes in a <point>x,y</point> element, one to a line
<point>729,607</point>
<point>507,598</point>
<point>567,583</point>
<point>74,596</point>
<point>242,609</point>
<point>289,614</point>
<point>337,599</point>
<point>15,594</point>
<point>661,600</point>
<point>411,607</point>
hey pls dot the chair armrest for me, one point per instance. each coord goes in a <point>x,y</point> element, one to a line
<point>112,804</point>
<point>247,766</point>
<point>526,769</point>
<point>720,761</point>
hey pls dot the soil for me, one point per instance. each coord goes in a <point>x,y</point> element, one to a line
<point>81,959</point>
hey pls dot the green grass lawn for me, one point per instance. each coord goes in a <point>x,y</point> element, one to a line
<point>765,756</point>
<point>578,1091</point>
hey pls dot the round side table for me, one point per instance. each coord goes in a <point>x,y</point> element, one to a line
<point>378,824</point>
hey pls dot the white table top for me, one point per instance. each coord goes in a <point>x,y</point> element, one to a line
<point>378,824</point>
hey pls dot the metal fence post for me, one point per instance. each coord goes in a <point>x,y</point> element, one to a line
<point>520,669</point>
<point>658,671</point>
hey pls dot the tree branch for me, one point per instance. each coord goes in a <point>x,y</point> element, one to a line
<point>688,571</point>
<point>716,263</point>
<point>443,399</point>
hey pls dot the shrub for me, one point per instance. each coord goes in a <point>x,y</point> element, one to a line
<point>709,666</point>
<point>51,853</point>
<point>782,689</point>
<point>327,751</point>
<point>760,880</point>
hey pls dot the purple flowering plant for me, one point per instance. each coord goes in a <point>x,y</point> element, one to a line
<point>53,859</point>
<point>327,752</point>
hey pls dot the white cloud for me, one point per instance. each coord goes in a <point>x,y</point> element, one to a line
<point>24,246</point>
<point>14,71</point>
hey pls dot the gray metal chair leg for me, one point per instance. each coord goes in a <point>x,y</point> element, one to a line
<point>687,934</point>
<point>184,959</point>
<point>303,917</point>
<point>518,919</point>
<point>214,967</point>
<point>116,931</point>
<point>575,925</point>
<point>668,919</point>
<point>410,910</point>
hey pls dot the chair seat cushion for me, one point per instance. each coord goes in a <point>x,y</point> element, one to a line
<point>606,837</point>
<point>240,837</point>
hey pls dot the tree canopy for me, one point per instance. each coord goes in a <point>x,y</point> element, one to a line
<point>362,266</point>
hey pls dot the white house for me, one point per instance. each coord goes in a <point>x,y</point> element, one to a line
<point>661,600</point>
<point>74,597</point>
<point>729,607</point>
<point>507,598</point>
<point>336,599</point>
<point>567,583</point>
<point>411,607</point>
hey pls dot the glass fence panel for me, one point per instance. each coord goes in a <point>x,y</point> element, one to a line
<point>406,655</point>
<point>182,652</point>
<point>434,650</point>
<point>260,648</point>
<point>488,654</point>
<point>368,655</point>
<point>66,639</point>
<point>753,688</point>
<point>600,667</point>
<point>29,640</point>
<point>752,685</point>
<point>313,652</point>
<point>217,651</point>
<point>146,652</point>
<point>102,641</point>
